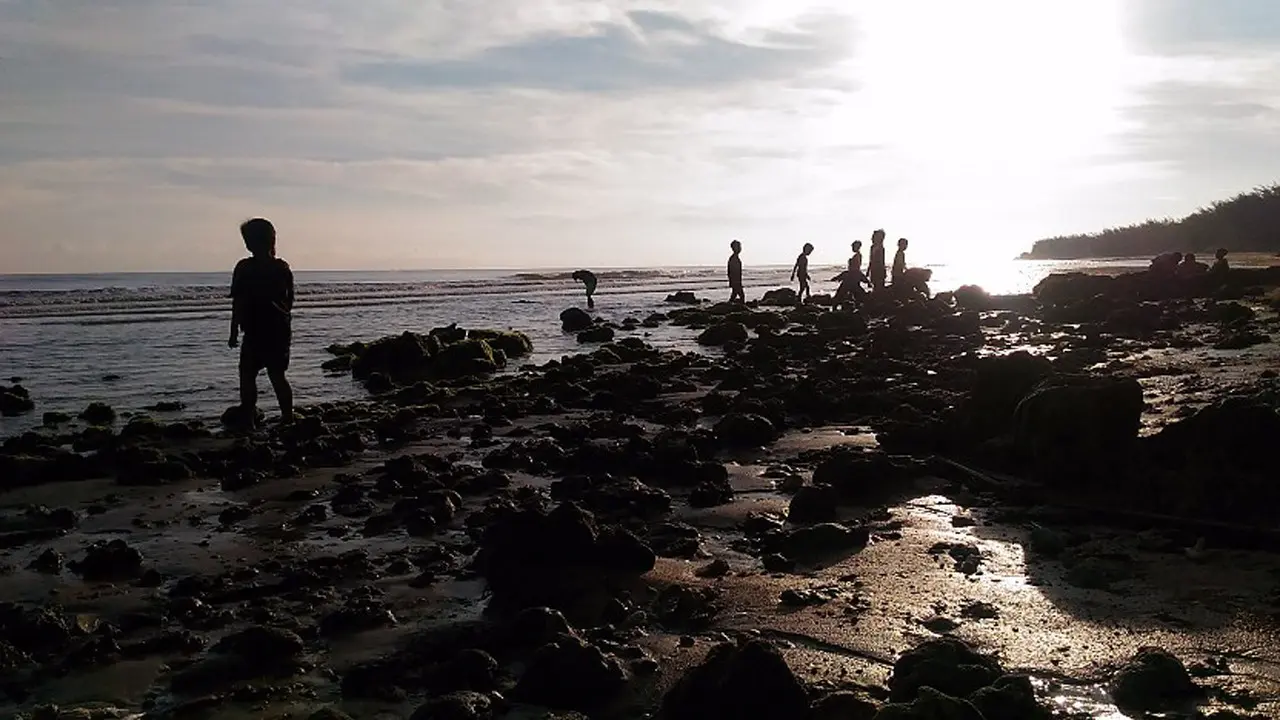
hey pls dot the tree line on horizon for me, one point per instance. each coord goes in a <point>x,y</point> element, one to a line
<point>1248,222</point>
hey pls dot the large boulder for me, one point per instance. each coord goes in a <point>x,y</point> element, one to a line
<point>15,400</point>
<point>745,430</point>
<point>466,358</point>
<point>723,334</point>
<point>1154,681</point>
<point>999,384</point>
<point>575,320</point>
<point>683,297</point>
<point>1080,427</point>
<point>738,681</point>
<point>570,674</point>
<point>402,358</point>
<point>596,334</point>
<point>946,665</point>
<point>1061,289</point>
<point>512,343</point>
<point>532,557</point>
<point>972,297</point>
<point>781,297</point>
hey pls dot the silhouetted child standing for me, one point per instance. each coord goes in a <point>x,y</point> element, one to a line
<point>899,261</point>
<point>736,292</point>
<point>588,279</point>
<point>1220,267</point>
<point>262,306</point>
<point>801,271</point>
<point>852,280</point>
<point>875,264</point>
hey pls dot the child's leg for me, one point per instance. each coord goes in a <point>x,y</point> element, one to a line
<point>248,377</point>
<point>284,393</point>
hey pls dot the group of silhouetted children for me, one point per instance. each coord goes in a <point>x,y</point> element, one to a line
<point>1176,264</point>
<point>854,285</point>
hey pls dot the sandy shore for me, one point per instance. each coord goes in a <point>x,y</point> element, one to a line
<point>842,486</point>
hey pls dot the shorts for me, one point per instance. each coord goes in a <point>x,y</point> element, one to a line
<point>268,352</point>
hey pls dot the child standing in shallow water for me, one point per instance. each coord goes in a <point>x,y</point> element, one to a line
<point>801,271</point>
<point>875,264</point>
<point>262,304</point>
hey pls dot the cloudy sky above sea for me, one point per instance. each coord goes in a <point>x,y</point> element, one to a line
<point>137,134</point>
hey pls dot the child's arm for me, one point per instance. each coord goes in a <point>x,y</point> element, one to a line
<point>234,338</point>
<point>794,270</point>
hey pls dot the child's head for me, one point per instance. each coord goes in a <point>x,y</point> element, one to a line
<point>1189,258</point>
<point>902,243</point>
<point>259,236</point>
<point>857,246</point>
<point>877,237</point>
<point>1177,257</point>
<point>735,246</point>
<point>808,248</point>
<point>1222,253</point>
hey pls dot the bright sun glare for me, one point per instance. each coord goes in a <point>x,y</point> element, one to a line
<point>988,105</point>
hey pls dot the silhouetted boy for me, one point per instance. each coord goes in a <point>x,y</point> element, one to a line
<point>1220,267</point>
<point>262,304</point>
<point>899,261</point>
<point>801,271</point>
<point>736,292</point>
<point>1190,267</point>
<point>875,264</point>
<point>588,279</point>
<point>852,280</point>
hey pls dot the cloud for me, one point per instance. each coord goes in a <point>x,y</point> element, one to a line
<point>646,51</point>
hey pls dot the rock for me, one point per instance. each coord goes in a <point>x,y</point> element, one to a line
<point>98,414</point>
<point>1079,428</point>
<point>819,540</point>
<point>711,493</point>
<point>782,297</point>
<point>50,562</point>
<point>814,504</point>
<point>167,406</point>
<point>930,704</point>
<point>400,358</point>
<point>262,644</point>
<point>972,297</point>
<point>723,334</point>
<point>456,706</point>
<point>683,297</point>
<point>745,430</point>
<point>737,681</point>
<point>597,334</point>
<point>466,358</point>
<point>946,665</point>
<point>843,706</point>
<point>15,401</point>
<point>570,674</point>
<point>238,417</point>
<point>473,670</point>
<point>329,713</point>
<point>511,342</point>
<point>109,561</point>
<point>531,557</point>
<point>1011,697</point>
<point>54,418</point>
<point>1154,681</point>
<point>575,320</point>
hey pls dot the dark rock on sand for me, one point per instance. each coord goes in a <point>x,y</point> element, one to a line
<point>1154,681</point>
<point>513,343</point>
<point>711,493</point>
<point>683,297</point>
<point>15,400</point>
<point>862,477</point>
<point>109,561</point>
<point>1011,697</point>
<point>1079,428</point>
<point>738,681</point>
<point>49,562</point>
<point>814,504</point>
<point>575,320</point>
<point>745,430</point>
<point>844,706</point>
<point>98,414</point>
<point>597,334</point>
<point>781,297</point>
<point>456,706</point>
<point>972,297</point>
<point>466,358</point>
<point>723,334</point>
<point>946,665</point>
<point>817,541</point>
<point>532,557</point>
<point>570,674</point>
<point>930,704</point>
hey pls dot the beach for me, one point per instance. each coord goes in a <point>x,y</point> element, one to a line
<point>692,509</point>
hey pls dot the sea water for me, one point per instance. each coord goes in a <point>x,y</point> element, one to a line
<point>132,340</point>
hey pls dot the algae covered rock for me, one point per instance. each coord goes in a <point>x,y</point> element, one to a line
<point>1154,681</point>
<point>15,400</point>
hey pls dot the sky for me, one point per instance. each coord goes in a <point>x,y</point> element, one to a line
<point>135,135</point>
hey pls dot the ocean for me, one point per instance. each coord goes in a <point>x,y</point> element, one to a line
<point>135,339</point>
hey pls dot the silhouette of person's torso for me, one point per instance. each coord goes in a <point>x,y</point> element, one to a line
<point>875,266</point>
<point>263,289</point>
<point>735,270</point>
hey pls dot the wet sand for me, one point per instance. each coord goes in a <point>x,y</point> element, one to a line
<point>949,554</point>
